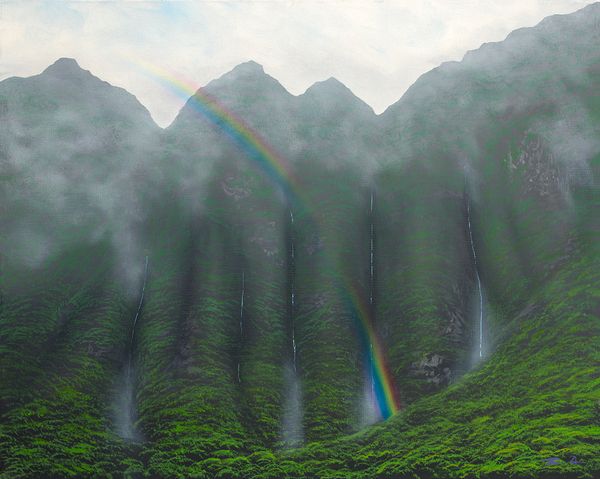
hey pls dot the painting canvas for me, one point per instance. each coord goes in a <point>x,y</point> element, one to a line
<point>300,239</point>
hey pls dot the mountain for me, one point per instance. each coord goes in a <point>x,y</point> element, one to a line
<point>242,293</point>
<point>68,139</point>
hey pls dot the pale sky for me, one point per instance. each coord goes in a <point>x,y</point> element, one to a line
<point>377,48</point>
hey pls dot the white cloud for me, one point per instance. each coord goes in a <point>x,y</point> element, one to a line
<point>377,48</point>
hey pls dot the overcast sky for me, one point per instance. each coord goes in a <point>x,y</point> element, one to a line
<point>378,48</point>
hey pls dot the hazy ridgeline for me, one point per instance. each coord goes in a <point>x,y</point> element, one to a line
<point>508,140</point>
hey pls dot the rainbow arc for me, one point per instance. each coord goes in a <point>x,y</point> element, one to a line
<point>279,171</point>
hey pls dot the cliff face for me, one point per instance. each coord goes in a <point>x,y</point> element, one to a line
<point>461,226</point>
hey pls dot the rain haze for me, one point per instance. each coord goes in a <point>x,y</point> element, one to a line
<point>376,48</point>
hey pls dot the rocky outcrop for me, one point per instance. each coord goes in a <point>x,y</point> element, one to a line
<point>434,368</point>
<point>541,172</point>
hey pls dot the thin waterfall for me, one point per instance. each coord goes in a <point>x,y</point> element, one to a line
<point>139,308</point>
<point>293,293</point>
<point>371,285</point>
<point>479,289</point>
<point>126,407</point>
<point>369,413</point>
<point>241,321</point>
<point>371,252</point>
<point>292,433</point>
<point>242,304</point>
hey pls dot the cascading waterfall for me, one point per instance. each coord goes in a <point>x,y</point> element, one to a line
<point>371,252</point>
<point>371,287</point>
<point>292,431</point>
<point>293,294</point>
<point>478,279</point>
<point>241,321</point>
<point>126,410</point>
<point>369,408</point>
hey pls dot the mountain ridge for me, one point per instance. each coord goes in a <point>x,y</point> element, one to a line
<point>253,69</point>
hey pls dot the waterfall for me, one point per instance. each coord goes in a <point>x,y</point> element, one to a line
<point>126,410</point>
<point>368,412</point>
<point>241,321</point>
<point>479,289</point>
<point>139,308</point>
<point>371,286</point>
<point>292,433</point>
<point>293,293</point>
<point>242,304</point>
<point>371,253</point>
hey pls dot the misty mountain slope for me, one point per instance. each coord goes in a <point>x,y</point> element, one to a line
<point>307,129</point>
<point>328,251</point>
<point>530,177</point>
<point>509,416</point>
<point>328,111</point>
<point>211,363</point>
<point>530,70</point>
<point>63,341</point>
<point>426,287</point>
<point>514,130</point>
<point>515,192</point>
<point>73,148</point>
<point>250,96</point>
<point>464,219</point>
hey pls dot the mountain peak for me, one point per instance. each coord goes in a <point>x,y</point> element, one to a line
<point>245,88</point>
<point>63,64</point>
<point>248,73</point>
<point>331,85</point>
<point>249,68</point>
<point>332,91</point>
<point>65,68</point>
<point>247,78</point>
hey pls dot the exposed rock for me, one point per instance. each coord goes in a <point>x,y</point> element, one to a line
<point>434,368</point>
<point>455,308</point>
<point>541,171</point>
<point>456,325</point>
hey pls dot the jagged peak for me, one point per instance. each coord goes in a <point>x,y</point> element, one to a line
<point>548,24</point>
<point>65,67</point>
<point>330,84</point>
<point>332,89</point>
<point>247,76</point>
<point>248,73</point>
<point>66,78</point>
<point>249,68</point>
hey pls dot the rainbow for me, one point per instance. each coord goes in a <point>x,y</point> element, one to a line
<point>240,133</point>
<point>385,394</point>
<point>279,171</point>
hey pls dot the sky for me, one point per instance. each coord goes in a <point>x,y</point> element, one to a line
<point>377,48</point>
